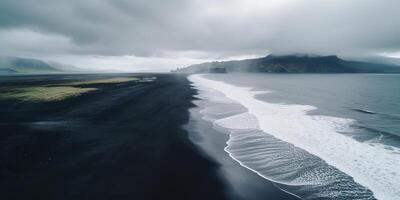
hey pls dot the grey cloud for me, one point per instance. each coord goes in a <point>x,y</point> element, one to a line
<point>216,27</point>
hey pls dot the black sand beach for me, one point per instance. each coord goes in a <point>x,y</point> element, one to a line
<point>122,141</point>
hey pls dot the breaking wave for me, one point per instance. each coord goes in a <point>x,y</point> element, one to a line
<point>304,154</point>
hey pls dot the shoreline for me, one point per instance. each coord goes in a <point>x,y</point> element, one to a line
<point>242,183</point>
<point>255,149</point>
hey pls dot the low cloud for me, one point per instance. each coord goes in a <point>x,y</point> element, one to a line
<point>157,29</point>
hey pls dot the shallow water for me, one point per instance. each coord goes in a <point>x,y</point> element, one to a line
<point>319,136</point>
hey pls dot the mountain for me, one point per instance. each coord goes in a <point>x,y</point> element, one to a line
<point>7,71</point>
<point>292,64</point>
<point>14,65</point>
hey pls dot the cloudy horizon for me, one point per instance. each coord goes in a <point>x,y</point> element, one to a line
<point>153,35</point>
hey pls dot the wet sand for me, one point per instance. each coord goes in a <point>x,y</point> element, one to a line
<point>242,183</point>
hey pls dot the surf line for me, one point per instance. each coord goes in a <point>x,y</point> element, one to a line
<point>373,167</point>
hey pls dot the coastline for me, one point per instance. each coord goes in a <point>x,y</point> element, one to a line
<point>242,183</point>
<point>274,158</point>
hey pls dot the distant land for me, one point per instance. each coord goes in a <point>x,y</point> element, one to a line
<point>291,64</point>
<point>15,65</point>
<point>28,66</point>
<point>20,66</point>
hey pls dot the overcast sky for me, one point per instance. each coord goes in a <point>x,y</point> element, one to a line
<point>160,35</point>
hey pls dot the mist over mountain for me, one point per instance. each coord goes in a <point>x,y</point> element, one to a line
<point>14,65</point>
<point>18,65</point>
<point>291,64</point>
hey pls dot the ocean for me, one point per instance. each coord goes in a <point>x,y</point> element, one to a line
<point>316,136</point>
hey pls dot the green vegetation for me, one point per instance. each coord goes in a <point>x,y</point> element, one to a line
<point>57,92</point>
<point>104,81</point>
<point>43,93</point>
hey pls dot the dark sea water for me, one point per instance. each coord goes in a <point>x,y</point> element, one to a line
<point>318,136</point>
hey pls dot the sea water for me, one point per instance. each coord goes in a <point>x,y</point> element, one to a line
<point>317,136</point>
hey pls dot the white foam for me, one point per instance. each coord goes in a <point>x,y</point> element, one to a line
<point>374,167</point>
<point>238,122</point>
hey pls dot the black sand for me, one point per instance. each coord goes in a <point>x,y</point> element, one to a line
<point>124,141</point>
